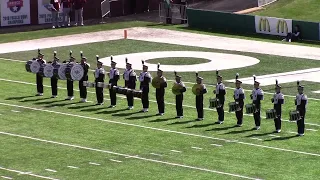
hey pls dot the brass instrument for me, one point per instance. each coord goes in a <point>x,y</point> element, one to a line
<point>196,89</point>
<point>157,81</point>
<point>176,89</point>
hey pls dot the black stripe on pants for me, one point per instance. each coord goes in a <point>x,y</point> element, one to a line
<point>39,80</point>
<point>113,97</point>
<point>70,87</point>
<point>179,108</point>
<point>257,118</point>
<point>199,105</point>
<point>54,86</point>
<point>83,90</point>
<point>239,115</point>
<point>99,94</point>
<point>220,111</point>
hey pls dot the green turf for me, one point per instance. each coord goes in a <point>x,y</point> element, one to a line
<point>133,133</point>
<point>177,61</point>
<point>293,9</point>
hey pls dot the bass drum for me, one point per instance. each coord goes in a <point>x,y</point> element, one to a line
<point>74,72</point>
<point>28,65</point>
<point>48,71</point>
<point>33,66</point>
<point>56,70</point>
<point>62,72</point>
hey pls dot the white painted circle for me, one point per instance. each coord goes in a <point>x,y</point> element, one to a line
<point>218,61</point>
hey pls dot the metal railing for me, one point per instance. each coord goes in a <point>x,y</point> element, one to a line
<point>105,9</point>
<point>172,12</point>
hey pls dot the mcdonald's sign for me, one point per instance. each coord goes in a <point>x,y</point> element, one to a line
<point>264,24</point>
<point>282,26</point>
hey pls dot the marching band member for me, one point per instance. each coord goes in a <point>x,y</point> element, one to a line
<point>257,96</point>
<point>239,99</point>
<point>82,88</point>
<point>113,81</point>
<point>199,97</point>
<point>145,79</point>
<point>220,95</point>
<point>277,100</point>
<point>99,75</point>
<point>130,78</point>
<point>70,81</point>
<point>301,103</point>
<point>39,77</point>
<point>54,80</point>
<point>161,91</point>
<point>179,98</point>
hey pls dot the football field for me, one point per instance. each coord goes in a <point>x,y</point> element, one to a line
<point>44,138</point>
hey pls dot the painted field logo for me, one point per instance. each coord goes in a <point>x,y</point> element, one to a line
<point>15,5</point>
<point>264,24</point>
<point>282,26</point>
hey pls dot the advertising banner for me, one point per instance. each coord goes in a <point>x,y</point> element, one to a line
<point>15,12</point>
<point>273,26</point>
<point>44,12</point>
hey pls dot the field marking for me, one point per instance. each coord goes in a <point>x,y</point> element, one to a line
<point>218,145</point>
<point>6,177</point>
<point>311,130</point>
<point>272,135</point>
<point>198,148</point>
<point>256,138</point>
<point>176,151</point>
<point>126,155</point>
<point>93,163</point>
<point>155,154</point>
<point>51,170</point>
<point>27,173</point>
<point>15,111</point>
<point>14,60</point>
<point>123,97</point>
<point>115,160</point>
<point>73,167</point>
<point>163,130</point>
<point>291,132</point>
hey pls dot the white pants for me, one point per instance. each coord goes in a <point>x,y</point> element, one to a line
<point>66,17</point>
<point>79,16</point>
<point>55,18</point>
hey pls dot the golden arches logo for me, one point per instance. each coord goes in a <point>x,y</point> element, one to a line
<point>282,26</point>
<point>264,25</point>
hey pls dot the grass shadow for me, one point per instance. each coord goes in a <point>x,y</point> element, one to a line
<point>221,128</point>
<point>182,122</point>
<point>201,125</point>
<point>48,102</point>
<point>33,100</point>
<point>140,117</point>
<point>162,120</point>
<point>239,132</point>
<point>126,114</point>
<point>282,138</point>
<point>18,98</point>
<point>93,109</point>
<point>79,107</point>
<point>112,111</point>
<point>258,135</point>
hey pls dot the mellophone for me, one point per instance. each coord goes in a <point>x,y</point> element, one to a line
<point>117,89</point>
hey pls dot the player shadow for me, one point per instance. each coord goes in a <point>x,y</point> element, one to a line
<point>18,98</point>
<point>221,128</point>
<point>141,117</point>
<point>48,102</point>
<point>94,109</point>
<point>201,125</point>
<point>57,105</point>
<point>33,100</point>
<point>282,138</point>
<point>111,111</point>
<point>162,120</point>
<point>182,122</point>
<point>258,135</point>
<point>126,114</point>
<point>238,132</point>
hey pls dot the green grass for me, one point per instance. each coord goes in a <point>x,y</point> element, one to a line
<point>293,9</point>
<point>133,133</point>
<point>177,61</point>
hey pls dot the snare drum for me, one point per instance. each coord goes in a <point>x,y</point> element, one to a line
<point>137,93</point>
<point>271,114</point>
<point>115,89</point>
<point>250,108</point>
<point>213,103</point>
<point>62,72</point>
<point>294,115</point>
<point>232,106</point>
<point>100,84</point>
<point>89,84</point>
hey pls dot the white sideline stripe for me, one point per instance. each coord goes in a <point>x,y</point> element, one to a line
<point>134,156</point>
<point>272,135</point>
<point>92,163</point>
<point>256,138</point>
<point>14,60</point>
<point>196,148</point>
<point>73,167</point>
<point>50,170</point>
<point>163,130</point>
<point>218,145</point>
<point>115,160</point>
<point>123,97</point>
<point>15,111</point>
<point>130,156</point>
<point>175,151</point>
<point>6,177</point>
<point>311,129</point>
<point>27,173</point>
<point>155,154</point>
<point>292,132</point>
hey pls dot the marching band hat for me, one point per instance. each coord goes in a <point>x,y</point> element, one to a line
<point>218,75</point>
<point>300,87</point>
<point>277,84</point>
<point>237,78</point>
<point>40,54</point>
<point>158,67</point>
<point>176,75</point>
<point>113,62</point>
<point>256,82</point>
<point>84,58</point>
<point>99,62</point>
<point>143,64</point>
<point>200,78</point>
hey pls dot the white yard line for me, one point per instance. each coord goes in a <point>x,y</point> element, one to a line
<point>115,160</point>
<point>93,163</point>
<point>218,145</point>
<point>126,155</point>
<point>291,132</point>
<point>158,129</point>
<point>175,151</point>
<point>123,97</point>
<point>198,148</point>
<point>73,167</point>
<point>27,173</point>
<point>272,135</point>
<point>51,170</point>
<point>311,130</point>
<point>6,177</point>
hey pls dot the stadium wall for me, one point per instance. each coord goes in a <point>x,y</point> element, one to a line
<point>239,23</point>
